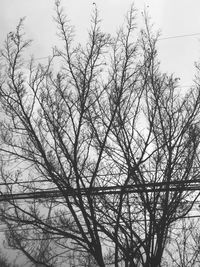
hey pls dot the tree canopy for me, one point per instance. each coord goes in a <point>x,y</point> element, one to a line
<point>100,156</point>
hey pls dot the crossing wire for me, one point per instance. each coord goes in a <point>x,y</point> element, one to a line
<point>173,186</point>
<point>159,39</point>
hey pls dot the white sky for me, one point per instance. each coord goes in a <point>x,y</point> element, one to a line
<point>172,17</point>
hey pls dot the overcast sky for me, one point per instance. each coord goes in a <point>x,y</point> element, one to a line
<point>172,17</point>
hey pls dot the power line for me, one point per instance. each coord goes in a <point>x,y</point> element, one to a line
<point>174,186</point>
<point>179,36</point>
<point>39,58</point>
<point>112,174</point>
<point>159,39</point>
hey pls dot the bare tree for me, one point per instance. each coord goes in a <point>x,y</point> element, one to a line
<point>109,140</point>
<point>183,248</point>
<point>36,246</point>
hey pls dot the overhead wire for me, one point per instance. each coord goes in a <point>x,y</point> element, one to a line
<point>159,39</point>
<point>173,186</point>
<point>105,175</point>
<point>46,192</point>
<point>179,36</point>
